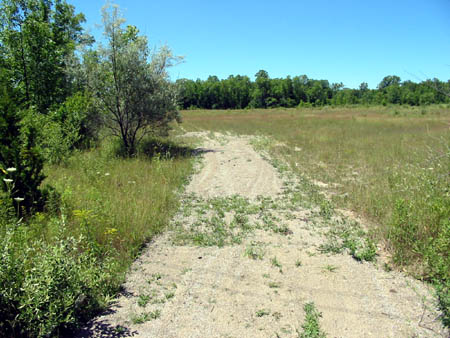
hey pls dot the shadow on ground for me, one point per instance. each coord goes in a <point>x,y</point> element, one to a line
<point>100,328</point>
<point>167,149</point>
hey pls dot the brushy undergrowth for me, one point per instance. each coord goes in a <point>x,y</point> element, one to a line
<point>60,267</point>
<point>391,168</point>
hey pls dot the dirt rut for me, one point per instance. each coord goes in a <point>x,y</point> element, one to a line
<point>256,280</point>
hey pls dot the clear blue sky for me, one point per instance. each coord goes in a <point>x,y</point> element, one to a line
<point>345,41</point>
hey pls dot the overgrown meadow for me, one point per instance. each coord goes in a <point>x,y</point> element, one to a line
<point>389,165</point>
<point>65,264</point>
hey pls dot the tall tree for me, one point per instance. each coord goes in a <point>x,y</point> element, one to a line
<point>131,83</point>
<point>37,37</point>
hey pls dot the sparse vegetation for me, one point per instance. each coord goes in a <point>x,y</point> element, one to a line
<point>262,313</point>
<point>145,317</point>
<point>255,251</point>
<point>390,169</point>
<point>311,325</point>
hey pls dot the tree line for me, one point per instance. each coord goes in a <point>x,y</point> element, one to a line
<point>238,92</point>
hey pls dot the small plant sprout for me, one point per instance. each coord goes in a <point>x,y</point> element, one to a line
<point>276,264</point>
<point>330,268</point>
<point>298,263</point>
<point>143,300</point>
<point>262,313</point>
<point>274,285</point>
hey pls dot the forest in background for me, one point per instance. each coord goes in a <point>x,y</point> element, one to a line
<point>238,92</point>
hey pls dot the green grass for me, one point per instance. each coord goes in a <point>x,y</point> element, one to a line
<point>388,164</point>
<point>262,313</point>
<point>145,317</point>
<point>62,266</point>
<point>254,251</point>
<point>119,202</point>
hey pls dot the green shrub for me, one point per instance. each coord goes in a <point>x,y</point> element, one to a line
<point>48,287</point>
<point>19,153</point>
<point>74,124</point>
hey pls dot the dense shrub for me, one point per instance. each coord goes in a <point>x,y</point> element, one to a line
<point>48,287</point>
<point>71,125</point>
<point>19,153</point>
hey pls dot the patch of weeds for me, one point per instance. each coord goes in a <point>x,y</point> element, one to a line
<point>274,285</point>
<point>262,313</point>
<point>254,251</point>
<point>143,300</point>
<point>326,209</point>
<point>155,278</point>
<point>387,267</point>
<point>286,330</point>
<point>311,326</point>
<point>266,275</point>
<point>120,329</point>
<point>443,294</point>
<point>298,263</point>
<point>169,295</point>
<point>283,230</point>
<point>330,268</point>
<point>145,317</point>
<point>349,235</point>
<point>211,227</point>
<point>274,261</point>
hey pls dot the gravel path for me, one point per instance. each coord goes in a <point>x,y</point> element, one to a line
<point>241,261</point>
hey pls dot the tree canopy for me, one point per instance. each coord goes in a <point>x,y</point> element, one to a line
<point>131,83</point>
<point>236,92</point>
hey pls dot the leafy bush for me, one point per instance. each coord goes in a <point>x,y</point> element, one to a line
<point>47,287</point>
<point>73,124</point>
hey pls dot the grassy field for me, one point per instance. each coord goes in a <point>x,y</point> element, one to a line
<point>103,210</point>
<point>389,165</point>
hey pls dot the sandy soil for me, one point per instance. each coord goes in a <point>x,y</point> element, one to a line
<point>188,290</point>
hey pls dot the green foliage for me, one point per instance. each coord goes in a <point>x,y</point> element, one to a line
<point>311,326</point>
<point>443,293</point>
<point>237,92</point>
<point>58,269</point>
<point>19,151</point>
<point>74,124</point>
<point>45,287</point>
<point>131,83</point>
<point>38,38</point>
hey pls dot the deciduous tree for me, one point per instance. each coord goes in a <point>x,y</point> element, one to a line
<point>131,83</point>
